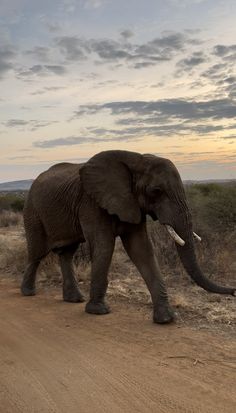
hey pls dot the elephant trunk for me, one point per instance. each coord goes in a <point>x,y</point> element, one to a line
<point>188,258</point>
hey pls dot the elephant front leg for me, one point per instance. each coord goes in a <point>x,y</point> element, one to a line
<point>101,251</point>
<point>140,251</point>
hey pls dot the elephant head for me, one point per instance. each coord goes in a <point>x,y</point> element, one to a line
<point>130,185</point>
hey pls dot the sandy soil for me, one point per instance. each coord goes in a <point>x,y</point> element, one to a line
<point>56,358</point>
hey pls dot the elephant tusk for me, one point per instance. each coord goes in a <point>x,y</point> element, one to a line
<point>197,236</point>
<point>175,236</point>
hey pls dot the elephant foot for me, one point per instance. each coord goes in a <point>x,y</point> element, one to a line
<point>27,291</point>
<point>97,308</point>
<point>163,315</point>
<point>73,297</point>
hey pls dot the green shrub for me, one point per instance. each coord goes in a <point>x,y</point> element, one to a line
<point>14,202</point>
<point>213,206</point>
<point>18,204</point>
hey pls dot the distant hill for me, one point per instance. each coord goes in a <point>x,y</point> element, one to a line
<point>209,181</point>
<point>26,184</point>
<point>15,186</point>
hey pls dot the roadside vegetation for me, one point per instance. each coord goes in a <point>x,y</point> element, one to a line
<point>213,208</point>
<point>12,201</point>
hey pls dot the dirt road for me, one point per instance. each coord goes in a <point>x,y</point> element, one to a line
<point>56,358</point>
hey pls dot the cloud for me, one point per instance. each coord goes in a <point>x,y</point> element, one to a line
<point>12,123</point>
<point>215,72</point>
<point>186,3</point>
<point>164,118</point>
<point>72,47</point>
<point>7,55</point>
<point>231,89</point>
<point>68,141</point>
<point>27,124</point>
<point>127,34</point>
<point>131,133</point>
<point>229,137</point>
<point>230,80</point>
<point>41,53</point>
<point>52,27</point>
<point>222,74</point>
<point>14,158</point>
<point>111,50</point>
<point>42,70</point>
<point>69,6</point>
<point>55,69</point>
<point>167,43</point>
<point>142,65</point>
<point>175,125</point>
<point>48,89</point>
<point>182,109</point>
<point>189,63</point>
<point>79,140</point>
<point>227,52</point>
<point>94,4</point>
<point>160,49</point>
<point>161,130</point>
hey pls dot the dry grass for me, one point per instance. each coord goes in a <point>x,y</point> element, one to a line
<point>192,304</point>
<point>12,252</point>
<point>10,218</point>
<point>216,253</point>
<point>13,259</point>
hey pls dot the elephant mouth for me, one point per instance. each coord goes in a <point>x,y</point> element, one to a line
<point>169,229</point>
<point>174,235</point>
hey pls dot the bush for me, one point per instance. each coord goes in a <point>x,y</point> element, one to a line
<point>14,202</point>
<point>213,206</point>
<point>11,206</point>
<point>18,204</point>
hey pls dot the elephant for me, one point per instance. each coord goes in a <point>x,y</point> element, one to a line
<point>108,196</point>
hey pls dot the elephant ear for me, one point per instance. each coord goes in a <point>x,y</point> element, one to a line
<point>108,180</point>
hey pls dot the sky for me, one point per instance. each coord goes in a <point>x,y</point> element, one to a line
<point>152,76</point>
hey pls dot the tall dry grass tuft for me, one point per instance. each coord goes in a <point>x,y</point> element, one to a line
<point>10,218</point>
<point>13,259</point>
<point>12,253</point>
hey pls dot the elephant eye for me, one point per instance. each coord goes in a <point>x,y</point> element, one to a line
<point>155,191</point>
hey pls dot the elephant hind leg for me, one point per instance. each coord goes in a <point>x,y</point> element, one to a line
<point>71,292</point>
<point>28,283</point>
<point>37,249</point>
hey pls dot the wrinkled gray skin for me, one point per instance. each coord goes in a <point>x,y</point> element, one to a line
<point>109,196</point>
